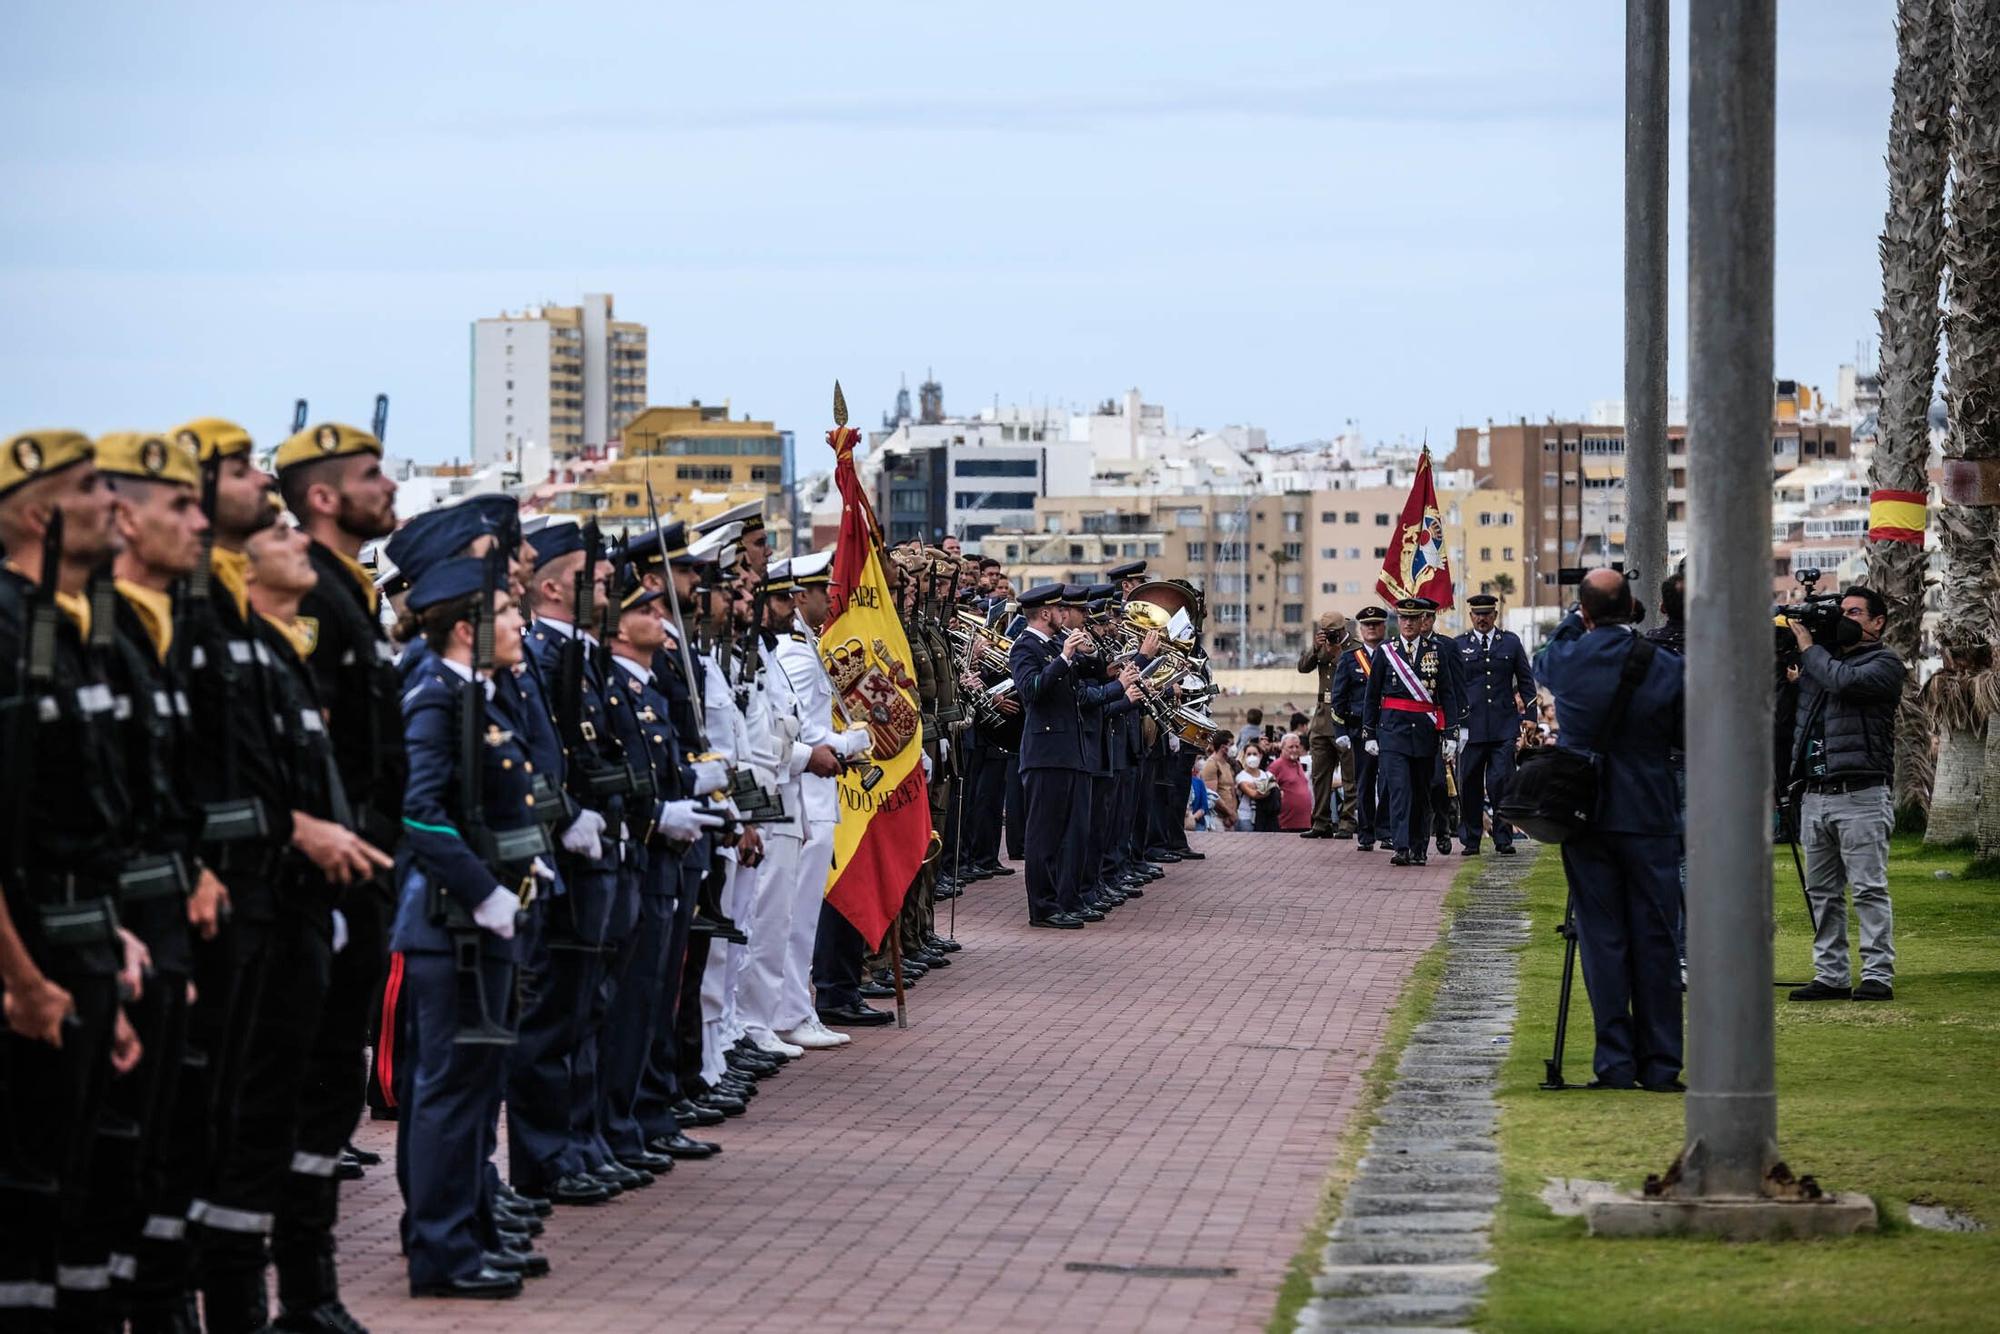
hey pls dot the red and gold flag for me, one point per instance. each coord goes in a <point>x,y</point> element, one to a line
<point>1897,516</point>
<point>884,828</point>
<point>1415,566</point>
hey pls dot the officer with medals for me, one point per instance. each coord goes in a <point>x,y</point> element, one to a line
<point>62,856</point>
<point>1413,701</point>
<point>331,479</point>
<point>1499,694</point>
<point>473,850</point>
<point>1350,697</point>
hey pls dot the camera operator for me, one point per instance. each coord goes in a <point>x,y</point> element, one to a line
<point>1843,753</point>
<point>1621,869</point>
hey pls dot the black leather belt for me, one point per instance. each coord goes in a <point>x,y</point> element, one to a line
<point>1858,783</point>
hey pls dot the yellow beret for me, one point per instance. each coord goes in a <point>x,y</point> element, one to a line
<point>33,455</point>
<point>328,440</point>
<point>147,456</point>
<point>213,438</point>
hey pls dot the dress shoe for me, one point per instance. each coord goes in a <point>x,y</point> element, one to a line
<point>768,1044</point>
<point>855,1016</point>
<point>722,1102</point>
<point>1504,849</point>
<point>1401,859</point>
<point>749,1047</point>
<point>1420,859</point>
<point>688,1114</point>
<point>678,1145</point>
<point>486,1284</point>
<point>1444,847</point>
<point>1343,833</point>
<point>329,1317</point>
<point>579,1189</point>
<point>528,1264</point>
<point>1817,990</point>
<point>1615,1086</point>
<point>1315,833</point>
<point>873,990</point>
<point>1162,856</point>
<point>1469,849</point>
<point>1151,871</point>
<point>1190,855</point>
<point>366,1157</point>
<point>1060,921</point>
<point>347,1168</point>
<point>526,1225</point>
<point>936,959</point>
<point>947,890</point>
<point>1871,990</point>
<point>614,1174</point>
<point>814,1036</point>
<point>1087,913</point>
<point>996,869</point>
<point>1670,1086</point>
<point>945,946</point>
<point>1364,847</point>
<point>755,1062</point>
<point>514,1199</point>
<point>647,1161</point>
<point>1131,890</point>
<point>745,1089</point>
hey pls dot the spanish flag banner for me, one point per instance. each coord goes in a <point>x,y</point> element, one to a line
<point>884,826</point>
<point>1897,516</point>
<point>1415,566</point>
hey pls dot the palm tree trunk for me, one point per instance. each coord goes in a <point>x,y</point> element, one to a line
<point>1967,522</point>
<point>1912,250</point>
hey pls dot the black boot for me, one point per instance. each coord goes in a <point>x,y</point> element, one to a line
<point>235,1302</point>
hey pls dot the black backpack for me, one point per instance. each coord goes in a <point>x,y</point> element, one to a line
<point>1554,792</point>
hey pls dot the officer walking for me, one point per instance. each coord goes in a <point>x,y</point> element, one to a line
<point>1414,699</point>
<point>1499,688</point>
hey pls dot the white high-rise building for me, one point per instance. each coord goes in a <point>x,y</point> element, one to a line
<point>557,381</point>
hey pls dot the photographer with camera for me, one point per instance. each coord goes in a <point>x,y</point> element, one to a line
<point>1619,698</point>
<point>1842,758</point>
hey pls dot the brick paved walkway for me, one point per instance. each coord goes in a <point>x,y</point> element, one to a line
<point>1162,1089</point>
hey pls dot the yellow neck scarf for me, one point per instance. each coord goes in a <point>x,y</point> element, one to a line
<point>232,571</point>
<point>300,639</point>
<point>156,613</point>
<point>360,574</point>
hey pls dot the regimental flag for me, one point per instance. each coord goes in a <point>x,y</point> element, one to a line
<point>1897,516</point>
<point>884,827</point>
<point>1415,566</point>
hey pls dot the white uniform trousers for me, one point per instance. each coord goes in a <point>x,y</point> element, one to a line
<point>720,1024</point>
<point>796,1004</point>
<point>766,923</point>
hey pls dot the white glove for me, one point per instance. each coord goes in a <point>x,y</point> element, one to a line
<point>711,776</point>
<point>683,821</point>
<point>1370,746</point>
<point>339,931</point>
<point>1450,751</point>
<point>944,748</point>
<point>1463,735</point>
<point>585,835</point>
<point>1343,744</point>
<point>542,871</point>
<point>496,912</point>
<point>926,758</point>
<point>850,743</point>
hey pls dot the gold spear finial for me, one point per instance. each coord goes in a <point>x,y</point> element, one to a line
<point>839,405</point>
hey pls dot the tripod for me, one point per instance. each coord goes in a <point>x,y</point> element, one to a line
<point>1552,1067</point>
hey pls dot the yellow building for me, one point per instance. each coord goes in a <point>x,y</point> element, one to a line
<point>701,448</point>
<point>1487,547</point>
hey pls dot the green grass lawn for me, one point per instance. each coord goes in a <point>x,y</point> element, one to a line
<point>1901,1101</point>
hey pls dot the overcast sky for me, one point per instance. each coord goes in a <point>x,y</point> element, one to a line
<point>1288,215</point>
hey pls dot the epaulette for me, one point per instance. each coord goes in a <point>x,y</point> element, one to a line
<point>799,638</point>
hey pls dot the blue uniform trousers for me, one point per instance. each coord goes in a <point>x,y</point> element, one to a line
<point>445,1133</point>
<point>1484,768</point>
<point>1406,790</point>
<point>1626,888</point>
<point>1054,798</point>
<point>1368,822</point>
<point>660,1082</point>
<point>555,1007</point>
<point>635,1009</point>
<point>838,951</point>
<point>1016,821</point>
<point>1090,841</point>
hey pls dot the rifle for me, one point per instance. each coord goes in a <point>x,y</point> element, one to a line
<point>381,419</point>
<point>502,851</point>
<point>298,415</point>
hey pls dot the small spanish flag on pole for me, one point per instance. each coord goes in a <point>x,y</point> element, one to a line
<point>884,826</point>
<point>1897,516</point>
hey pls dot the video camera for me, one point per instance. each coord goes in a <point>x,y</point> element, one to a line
<point>1818,612</point>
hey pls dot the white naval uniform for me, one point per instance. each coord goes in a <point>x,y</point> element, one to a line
<point>759,988</point>
<point>803,674</point>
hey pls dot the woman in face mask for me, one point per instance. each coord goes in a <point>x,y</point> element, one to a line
<point>1257,794</point>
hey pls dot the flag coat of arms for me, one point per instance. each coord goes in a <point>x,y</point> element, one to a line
<point>884,826</point>
<point>1416,566</point>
